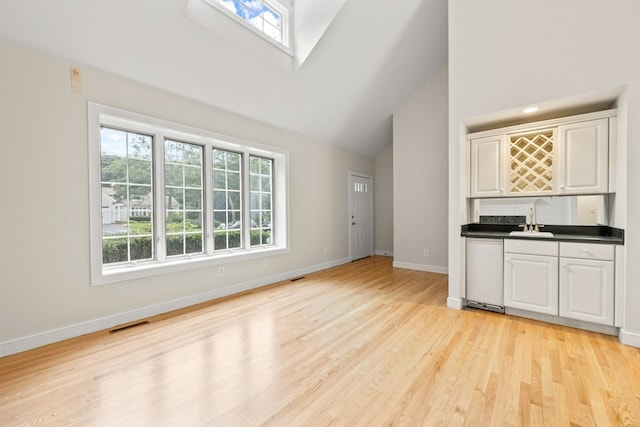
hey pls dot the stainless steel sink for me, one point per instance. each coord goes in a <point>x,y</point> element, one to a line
<point>531,233</point>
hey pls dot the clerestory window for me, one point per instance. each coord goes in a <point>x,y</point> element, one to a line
<point>166,196</point>
<point>267,17</point>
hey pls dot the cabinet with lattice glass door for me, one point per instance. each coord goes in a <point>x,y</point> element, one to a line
<point>532,165</point>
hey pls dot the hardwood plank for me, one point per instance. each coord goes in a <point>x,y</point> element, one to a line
<point>359,344</point>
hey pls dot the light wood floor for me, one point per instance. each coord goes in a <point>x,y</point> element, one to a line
<point>360,344</point>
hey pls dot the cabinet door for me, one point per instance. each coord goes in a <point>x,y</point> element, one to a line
<point>484,271</point>
<point>585,157</point>
<point>487,166</point>
<point>531,283</point>
<point>531,163</point>
<point>586,290</point>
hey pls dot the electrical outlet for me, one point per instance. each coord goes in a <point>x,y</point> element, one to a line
<point>426,252</point>
<point>220,271</point>
<point>324,251</point>
<point>265,262</point>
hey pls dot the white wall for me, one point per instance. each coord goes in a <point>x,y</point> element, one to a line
<point>419,177</point>
<point>44,256</point>
<point>382,206</point>
<point>505,54</point>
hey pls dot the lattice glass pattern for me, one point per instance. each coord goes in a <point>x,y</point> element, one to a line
<point>531,162</point>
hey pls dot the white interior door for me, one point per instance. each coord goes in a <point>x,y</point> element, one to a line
<point>360,216</point>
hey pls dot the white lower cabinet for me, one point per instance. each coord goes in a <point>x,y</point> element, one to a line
<point>531,283</point>
<point>531,276</point>
<point>587,282</point>
<point>570,280</point>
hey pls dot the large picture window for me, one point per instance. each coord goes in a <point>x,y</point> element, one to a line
<point>165,196</point>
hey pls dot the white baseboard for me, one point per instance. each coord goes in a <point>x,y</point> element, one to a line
<point>48,337</point>
<point>454,303</point>
<point>629,338</point>
<point>382,252</point>
<point>421,267</point>
<point>557,320</point>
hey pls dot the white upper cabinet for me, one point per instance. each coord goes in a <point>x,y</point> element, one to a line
<point>487,166</point>
<point>554,157</point>
<point>584,157</point>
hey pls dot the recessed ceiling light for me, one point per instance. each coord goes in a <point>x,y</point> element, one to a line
<point>530,110</point>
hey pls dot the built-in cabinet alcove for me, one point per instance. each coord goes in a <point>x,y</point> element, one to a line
<point>560,173</point>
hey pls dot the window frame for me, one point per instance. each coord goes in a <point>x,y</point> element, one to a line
<point>161,130</point>
<point>283,7</point>
<point>260,193</point>
<point>228,211</point>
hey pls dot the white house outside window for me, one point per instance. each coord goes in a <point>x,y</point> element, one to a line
<point>165,196</point>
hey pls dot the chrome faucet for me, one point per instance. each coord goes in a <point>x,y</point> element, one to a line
<point>531,218</point>
<point>531,227</point>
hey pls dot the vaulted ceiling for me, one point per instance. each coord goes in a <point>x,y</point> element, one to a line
<point>370,57</point>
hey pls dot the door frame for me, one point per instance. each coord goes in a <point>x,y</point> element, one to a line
<point>351,174</point>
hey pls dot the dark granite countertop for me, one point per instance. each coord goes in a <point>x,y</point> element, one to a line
<point>561,233</point>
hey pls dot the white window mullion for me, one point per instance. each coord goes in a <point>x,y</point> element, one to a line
<point>207,227</point>
<point>159,198</point>
<point>246,200</point>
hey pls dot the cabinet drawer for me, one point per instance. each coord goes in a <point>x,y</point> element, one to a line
<point>587,251</point>
<point>531,247</point>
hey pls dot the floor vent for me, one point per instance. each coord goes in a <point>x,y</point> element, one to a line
<point>128,326</point>
<point>295,279</point>
<point>485,306</point>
